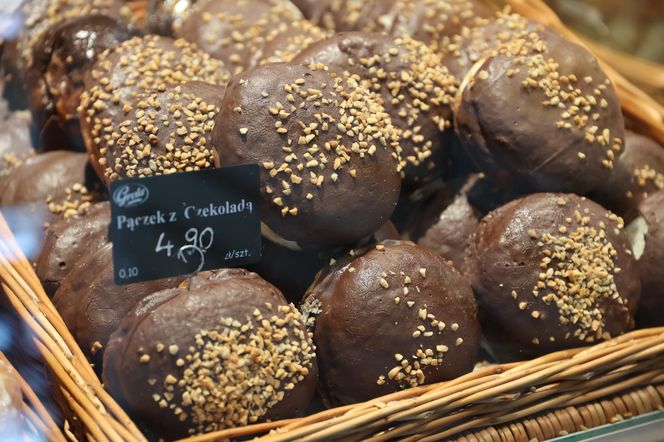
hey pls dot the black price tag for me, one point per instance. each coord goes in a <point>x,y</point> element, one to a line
<point>184,223</point>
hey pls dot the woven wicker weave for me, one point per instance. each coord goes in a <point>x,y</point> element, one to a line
<point>569,420</point>
<point>559,393</point>
<point>38,424</point>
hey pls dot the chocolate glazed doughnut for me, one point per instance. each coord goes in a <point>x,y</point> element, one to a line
<point>447,223</point>
<point>162,132</point>
<point>350,15</point>
<point>647,231</point>
<point>229,333</point>
<point>436,22</point>
<point>140,66</point>
<point>552,271</point>
<point>68,240</point>
<point>394,316</point>
<point>638,173</point>
<point>328,152</point>
<point>55,183</point>
<point>416,89</point>
<point>540,114</point>
<point>233,31</point>
<point>92,305</point>
<point>54,80</point>
<point>287,40</point>
<point>38,16</point>
<point>482,38</point>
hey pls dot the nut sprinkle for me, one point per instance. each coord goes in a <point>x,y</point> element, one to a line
<point>416,89</point>
<point>327,148</point>
<point>552,271</point>
<point>578,269</point>
<point>141,67</point>
<point>235,373</point>
<point>560,128</point>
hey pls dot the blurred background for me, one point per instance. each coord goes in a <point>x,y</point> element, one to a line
<point>629,34</point>
<point>632,26</point>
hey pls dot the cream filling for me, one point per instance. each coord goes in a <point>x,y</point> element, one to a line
<point>275,238</point>
<point>636,233</point>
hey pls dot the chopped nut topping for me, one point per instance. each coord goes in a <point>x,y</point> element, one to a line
<point>144,145</point>
<point>529,53</point>
<point>578,272</point>
<point>235,373</point>
<point>77,201</point>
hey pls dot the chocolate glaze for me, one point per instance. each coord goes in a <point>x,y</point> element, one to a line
<point>447,223</point>
<point>174,125</point>
<point>389,64</point>
<point>534,141</point>
<point>56,181</point>
<point>353,15</point>
<point>233,31</point>
<point>61,58</point>
<point>252,128</point>
<point>638,173</point>
<point>386,232</point>
<point>164,16</point>
<point>15,142</point>
<point>481,37</point>
<point>436,22</point>
<point>92,305</point>
<point>313,10</point>
<point>557,239</point>
<point>116,87</point>
<point>293,271</point>
<point>364,325</point>
<point>287,40</point>
<point>142,357</point>
<point>37,16</point>
<point>651,262</point>
<point>67,241</point>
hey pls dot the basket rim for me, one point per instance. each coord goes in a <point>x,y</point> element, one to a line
<point>480,385</point>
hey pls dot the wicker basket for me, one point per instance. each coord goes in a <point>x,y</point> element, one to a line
<point>554,395</point>
<point>37,423</point>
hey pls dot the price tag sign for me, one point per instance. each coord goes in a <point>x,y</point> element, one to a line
<point>184,223</point>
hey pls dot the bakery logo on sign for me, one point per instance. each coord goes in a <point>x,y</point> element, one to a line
<point>131,195</point>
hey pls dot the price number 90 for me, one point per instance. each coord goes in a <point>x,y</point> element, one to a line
<point>201,240</point>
